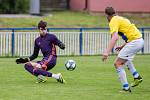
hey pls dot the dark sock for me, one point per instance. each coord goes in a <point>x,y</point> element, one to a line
<point>42,72</point>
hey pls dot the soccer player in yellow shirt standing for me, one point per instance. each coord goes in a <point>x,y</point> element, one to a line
<point>120,26</point>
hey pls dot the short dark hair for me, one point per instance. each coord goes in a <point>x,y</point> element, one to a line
<point>42,24</point>
<point>110,11</point>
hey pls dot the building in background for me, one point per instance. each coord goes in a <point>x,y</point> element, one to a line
<point>45,6</point>
<point>35,7</point>
<point>120,5</point>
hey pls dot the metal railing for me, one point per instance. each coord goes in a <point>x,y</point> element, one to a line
<point>79,41</point>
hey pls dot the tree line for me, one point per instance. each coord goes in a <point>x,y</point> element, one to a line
<point>14,6</point>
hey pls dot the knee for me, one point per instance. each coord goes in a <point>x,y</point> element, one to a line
<point>27,65</point>
<point>117,64</point>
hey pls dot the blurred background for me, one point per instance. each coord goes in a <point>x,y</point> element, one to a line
<point>81,24</point>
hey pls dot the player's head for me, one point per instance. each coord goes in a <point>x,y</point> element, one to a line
<point>110,11</point>
<point>42,27</point>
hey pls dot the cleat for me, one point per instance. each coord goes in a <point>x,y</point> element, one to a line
<point>61,79</point>
<point>125,91</point>
<point>137,81</point>
<point>41,79</point>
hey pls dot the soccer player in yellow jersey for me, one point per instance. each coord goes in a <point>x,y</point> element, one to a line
<point>120,26</point>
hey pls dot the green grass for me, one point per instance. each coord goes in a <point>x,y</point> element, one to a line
<point>57,19</point>
<point>92,79</point>
<point>68,19</point>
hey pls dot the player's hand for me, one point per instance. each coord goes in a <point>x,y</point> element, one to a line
<point>118,48</point>
<point>61,45</point>
<point>104,56</point>
<point>21,60</point>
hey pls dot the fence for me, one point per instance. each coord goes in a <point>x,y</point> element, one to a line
<point>79,41</point>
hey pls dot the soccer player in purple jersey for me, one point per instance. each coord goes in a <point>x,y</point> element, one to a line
<point>46,43</point>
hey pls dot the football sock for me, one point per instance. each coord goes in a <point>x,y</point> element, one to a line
<point>122,76</point>
<point>56,76</point>
<point>132,69</point>
<point>42,72</point>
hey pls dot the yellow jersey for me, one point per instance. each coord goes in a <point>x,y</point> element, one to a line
<point>124,28</point>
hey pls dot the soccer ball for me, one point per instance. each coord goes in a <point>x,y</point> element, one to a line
<point>70,65</point>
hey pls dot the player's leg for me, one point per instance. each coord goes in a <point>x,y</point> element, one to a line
<point>57,76</point>
<point>121,73</point>
<point>128,52</point>
<point>132,69</point>
<point>135,46</point>
<point>137,78</point>
<point>35,69</point>
<point>41,70</point>
<point>29,68</point>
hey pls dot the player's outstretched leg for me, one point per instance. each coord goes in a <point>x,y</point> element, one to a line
<point>61,79</point>
<point>136,81</point>
<point>29,68</point>
<point>37,72</point>
<point>137,78</point>
<point>43,74</point>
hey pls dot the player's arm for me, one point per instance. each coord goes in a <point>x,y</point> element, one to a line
<point>61,45</point>
<point>35,52</point>
<point>114,27</point>
<point>111,44</point>
<point>58,42</point>
<point>32,57</point>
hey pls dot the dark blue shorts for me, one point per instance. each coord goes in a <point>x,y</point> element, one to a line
<point>50,64</point>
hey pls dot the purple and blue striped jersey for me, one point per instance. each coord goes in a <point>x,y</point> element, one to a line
<point>47,45</point>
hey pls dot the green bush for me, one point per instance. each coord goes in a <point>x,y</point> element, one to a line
<point>14,6</point>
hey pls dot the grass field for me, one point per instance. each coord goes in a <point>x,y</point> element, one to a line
<point>91,80</point>
<point>71,19</point>
<point>57,19</point>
